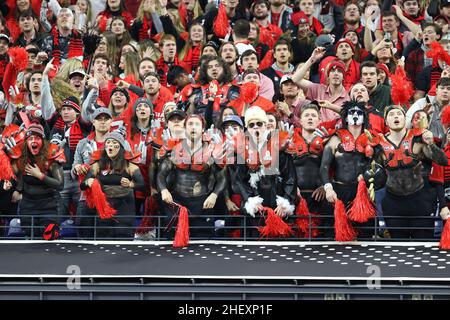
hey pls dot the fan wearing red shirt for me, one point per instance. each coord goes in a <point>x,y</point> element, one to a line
<point>269,33</point>
<point>114,8</point>
<point>307,8</point>
<point>157,94</point>
<point>168,58</point>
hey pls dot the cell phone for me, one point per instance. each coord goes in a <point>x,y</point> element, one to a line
<point>387,37</point>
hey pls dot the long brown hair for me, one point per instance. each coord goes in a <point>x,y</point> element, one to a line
<point>189,43</point>
<point>118,165</point>
<point>40,159</point>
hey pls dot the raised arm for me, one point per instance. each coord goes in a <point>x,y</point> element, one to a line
<point>47,104</point>
<point>298,76</point>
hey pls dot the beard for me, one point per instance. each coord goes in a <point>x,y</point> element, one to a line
<point>262,17</point>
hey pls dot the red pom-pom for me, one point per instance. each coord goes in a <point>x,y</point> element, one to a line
<point>302,222</point>
<point>19,58</point>
<point>267,61</point>
<point>342,226</point>
<point>362,208</point>
<point>182,234</point>
<point>6,170</point>
<point>221,23</point>
<point>183,13</point>
<point>445,116</point>
<point>102,24</point>
<point>445,237</point>
<point>95,198</point>
<point>275,226</point>
<point>402,89</point>
<point>437,52</point>
<point>248,92</point>
<point>11,4</point>
<point>150,209</point>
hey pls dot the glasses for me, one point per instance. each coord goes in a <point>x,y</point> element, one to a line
<point>257,124</point>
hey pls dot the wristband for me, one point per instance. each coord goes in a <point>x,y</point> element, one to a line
<point>327,186</point>
<point>42,177</point>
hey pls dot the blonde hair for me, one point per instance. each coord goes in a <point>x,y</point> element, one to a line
<point>60,90</point>
<point>67,67</point>
<point>89,10</point>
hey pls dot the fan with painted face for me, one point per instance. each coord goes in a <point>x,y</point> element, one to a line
<point>354,113</point>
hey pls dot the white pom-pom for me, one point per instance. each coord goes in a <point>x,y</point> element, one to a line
<point>251,205</point>
<point>284,203</point>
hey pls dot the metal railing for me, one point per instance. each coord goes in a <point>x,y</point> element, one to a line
<point>235,227</point>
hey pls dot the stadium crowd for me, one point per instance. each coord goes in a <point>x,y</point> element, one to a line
<point>299,119</point>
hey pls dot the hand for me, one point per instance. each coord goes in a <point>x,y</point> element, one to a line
<point>398,11</point>
<point>16,197</point>
<point>369,12</point>
<point>49,67</point>
<point>325,104</point>
<point>163,3</point>
<point>331,195</point>
<point>427,137</point>
<point>166,196</point>
<point>149,52</point>
<point>101,79</point>
<point>231,206</point>
<point>287,128</point>
<point>92,83</point>
<point>444,213</point>
<point>283,107</point>
<point>149,6</point>
<point>10,143</point>
<point>419,36</point>
<point>124,182</point>
<point>13,91</point>
<point>280,212</point>
<point>428,108</point>
<point>7,185</point>
<point>33,171</point>
<point>41,57</point>
<point>81,169</point>
<point>215,135</point>
<point>210,202</point>
<point>122,84</point>
<point>321,132</point>
<point>89,182</point>
<point>319,194</point>
<point>317,54</point>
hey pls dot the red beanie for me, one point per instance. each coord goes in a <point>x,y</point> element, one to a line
<point>342,40</point>
<point>335,64</point>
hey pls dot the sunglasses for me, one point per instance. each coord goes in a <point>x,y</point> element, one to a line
<point>257,124</point>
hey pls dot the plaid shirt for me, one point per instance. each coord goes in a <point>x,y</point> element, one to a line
<point>414,64</point>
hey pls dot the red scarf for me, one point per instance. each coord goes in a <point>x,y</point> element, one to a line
<point>105,15</point>
<point>76,134</point>
<point>221,24</point>
<point>75,47</point>
<point>192,57</point>
<point>162,68</point>
<point>3,64</point>
<point>146,29</point>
